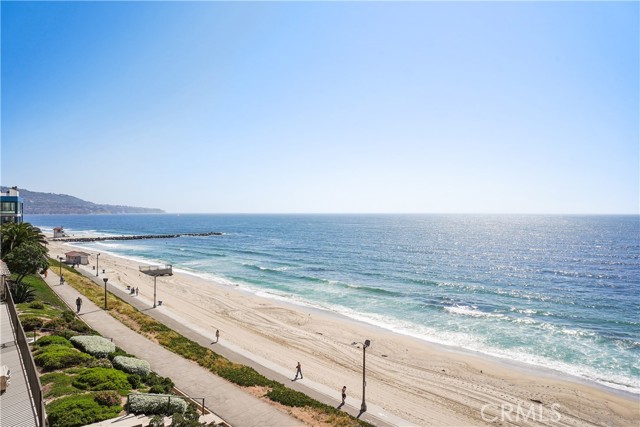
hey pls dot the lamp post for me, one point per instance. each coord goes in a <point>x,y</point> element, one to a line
<point>61,276</point>
<point>97,259</point>
<point>365,344</point>
<point>154,291</point>
<point>105,291</point>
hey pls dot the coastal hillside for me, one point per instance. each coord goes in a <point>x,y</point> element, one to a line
<point>49,203</point>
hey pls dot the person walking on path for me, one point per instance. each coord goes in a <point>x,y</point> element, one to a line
<point>78,304</point>
<point>217,335</point>
<point>136,291</point>
<point>344,394</point>
<point>298,371</point>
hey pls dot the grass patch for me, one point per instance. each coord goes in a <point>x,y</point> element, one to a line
<point>58,384</point>
<point>48,311</point>
<point>43,292</point>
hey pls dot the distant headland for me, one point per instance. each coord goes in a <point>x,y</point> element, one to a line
<point>36,203</point>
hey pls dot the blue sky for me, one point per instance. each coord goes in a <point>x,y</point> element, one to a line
<point>445,107</point>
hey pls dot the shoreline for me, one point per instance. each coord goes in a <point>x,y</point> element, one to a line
<point>428,383</point>
<point>527,367</point>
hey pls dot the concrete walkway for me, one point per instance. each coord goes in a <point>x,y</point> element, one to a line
<point>228,401</point>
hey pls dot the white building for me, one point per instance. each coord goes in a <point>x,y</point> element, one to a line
<point>76,257</point>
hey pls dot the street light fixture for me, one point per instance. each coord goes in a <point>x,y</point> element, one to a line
<point>61,276</point>
<point>155,278</point>
<point>97,259</point>
<point>105,291</point>
<point>365,344</point>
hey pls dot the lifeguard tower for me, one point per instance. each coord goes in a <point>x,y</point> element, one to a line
<point>156,271</point>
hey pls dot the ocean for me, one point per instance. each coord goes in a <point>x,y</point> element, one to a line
<point>561,292</point>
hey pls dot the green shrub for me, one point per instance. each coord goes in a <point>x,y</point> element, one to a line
<point>244,376</point>
<point>190,418</point>
<point>99,363</point>
<point>22,292</point>
<point>79,326</point>
<point>56,323</point>
<point>95,345</point>
<point>80,410</point>
<point>289,397</point>
<point>159,384</point>
<point>102,379</point>
<point>134,380</point>
<point>132,365</point>
<point>29,323</point>
<point>56,356</point>
<point>67,333</point>
<point>53,339</point>
<point>159,389</point>
<point>107,398</point>
<point>37,305</point>
<point>68,316</point>
<point>68,322</point>
<point>119,352</point>
<point>159,404</point>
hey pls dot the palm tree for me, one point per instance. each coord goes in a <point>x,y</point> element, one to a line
<point>14,235</point>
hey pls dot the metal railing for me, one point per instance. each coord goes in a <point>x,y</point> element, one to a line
<point>27,359</point>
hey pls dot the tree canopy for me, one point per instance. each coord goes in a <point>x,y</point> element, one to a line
<point>23,249</point>
<point>28,258</point>
<point>14,235</point>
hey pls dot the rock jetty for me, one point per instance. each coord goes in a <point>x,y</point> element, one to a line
<point>134,237</point>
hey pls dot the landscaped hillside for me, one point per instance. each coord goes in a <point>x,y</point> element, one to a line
<point>49,203</point>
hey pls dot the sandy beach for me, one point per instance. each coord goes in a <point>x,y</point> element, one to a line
<point>424,383</point>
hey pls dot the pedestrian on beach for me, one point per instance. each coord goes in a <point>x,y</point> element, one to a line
<point>217,335</point>
<point>298,371</point>
<point>79,303</point>
<point>344,393</point>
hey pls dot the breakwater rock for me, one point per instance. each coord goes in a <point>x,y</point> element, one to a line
<point>134,237</point>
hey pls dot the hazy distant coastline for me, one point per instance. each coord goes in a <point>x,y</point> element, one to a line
<point>36,203</point>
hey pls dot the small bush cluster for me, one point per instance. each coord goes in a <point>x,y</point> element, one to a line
<point>53,339</point>
<point>37,305</point>
<point>134,380</point>
<point>56,356</point>
<point>158,384</point>
<point>163,404</point>
<point>119,352</point>
<point>99,363</point>
<point>29,323</point>
<point>244,376</point>
<point>107,398</point>
<point>67,325</point>
<point>131,365</point>
<point>95,345</point>
<point>101,379</point>
<point>289,397</point>
<point>80,410</point>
